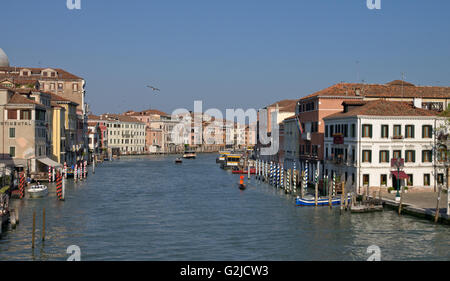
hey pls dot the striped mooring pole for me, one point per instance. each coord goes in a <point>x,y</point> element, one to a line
<point>334,184</point>
<point>294,178</point>
<point>75,172</point>
<point>22,185</point>
<point>59,180</point>
<point>53,174</point>
<point>49,174</point>
<point>65,170</point>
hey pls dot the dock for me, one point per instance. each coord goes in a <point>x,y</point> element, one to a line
<point>419,204</point>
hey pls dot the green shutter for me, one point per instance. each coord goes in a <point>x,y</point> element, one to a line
<point>379,159</point>
<point>370,156</point>
<point>370,131</point>
<point>423,131</point>
<point>412,131</point>
<point>387,156</point>
<point>414,156</point>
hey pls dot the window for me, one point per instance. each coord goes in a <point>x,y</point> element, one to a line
<point>60,86</point>
<point>409,131</point>
<point>384,156</point>
<point>12,114</point>
<point>426,156</point>
<point>410,156</point>
<point>326,131</point>
<point>426,131</point>
<point>365,179</point>
<point>442,155</point>
<point>397,154</point>
<point>346,130</point>
<point>409,181</point>
<point>383,180</point>
<point>384,131</point>
<point>331,130</point>
<point>397,131</point>
<point>353,131</point>
<point>440,178</point>
<point>426,179</point>
<point>366,131</point>
<point>12,151</point>
<point>52,86</point>
<point>25,114</point>
<point>44,74</point>
<point>12,132</point>
<point>75,87</point>
<point>367,156</point>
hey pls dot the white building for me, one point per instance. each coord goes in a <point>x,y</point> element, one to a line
<point>360,142</point>
<point>126,135</point>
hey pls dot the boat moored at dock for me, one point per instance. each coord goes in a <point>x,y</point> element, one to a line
<point>231,161</point>
<point>38,191</point>
<point>189,155</point>
<point>321,201</point>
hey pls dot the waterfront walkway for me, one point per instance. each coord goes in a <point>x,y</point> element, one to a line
<point>422,204</point>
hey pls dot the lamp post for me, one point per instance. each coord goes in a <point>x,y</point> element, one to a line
<point>397,163</point>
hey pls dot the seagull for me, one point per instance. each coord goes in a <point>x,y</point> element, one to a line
<point>153,88</point>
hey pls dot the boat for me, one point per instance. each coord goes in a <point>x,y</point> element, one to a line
<point>239,171</point>
<point>178,161</point>
<point>189,155</point>
<point>231,161</point>
<point>37,191</point>
<point>322,201</point>
<point>222,155</point>
<point>242,186</point>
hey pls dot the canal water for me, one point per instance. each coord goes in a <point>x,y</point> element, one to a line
<point>148,208</point>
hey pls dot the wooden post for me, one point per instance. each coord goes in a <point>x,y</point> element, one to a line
<point>330,194</point>
<point>43,224</point>
<point>34,227</point>
<point>436,216</point>
<point>316,194</point>
<point>12,218</point>
<point>401,199</point>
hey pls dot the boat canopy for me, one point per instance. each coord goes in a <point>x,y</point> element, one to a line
<point>49,162</point>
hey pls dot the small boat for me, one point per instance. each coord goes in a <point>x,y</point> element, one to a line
<point>322,201</point>
<point>37,191</point>
<point>178,161</point>
<point>252,171</point>
<point>242,186</point>
<point>189,155</point>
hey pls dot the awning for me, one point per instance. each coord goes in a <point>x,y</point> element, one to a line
<point>403,176</point>
<point>49,162</point>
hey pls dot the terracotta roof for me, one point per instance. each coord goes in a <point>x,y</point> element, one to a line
<point>285,105</point>
<point>36,73</point>
<point>384,108</point>
<point>119,117</point>
<point>145,113</point>
<point>93,117</point>
<point>391,89</point>
<point>20,99</point>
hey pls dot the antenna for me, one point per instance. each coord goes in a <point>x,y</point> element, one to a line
<point>403,79</point>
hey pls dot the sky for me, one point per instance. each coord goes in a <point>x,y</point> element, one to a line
<point>227,53</point>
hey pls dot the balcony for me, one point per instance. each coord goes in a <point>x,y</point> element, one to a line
<point>306,136</point>
<point>397,138</point>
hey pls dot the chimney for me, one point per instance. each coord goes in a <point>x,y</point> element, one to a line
<point>418,102</point>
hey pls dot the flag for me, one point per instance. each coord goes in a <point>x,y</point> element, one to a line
<point>299,125</point>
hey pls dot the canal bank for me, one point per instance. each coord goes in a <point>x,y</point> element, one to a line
<point>148,208</point>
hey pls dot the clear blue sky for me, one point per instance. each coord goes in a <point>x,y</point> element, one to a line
<point>228,53</point>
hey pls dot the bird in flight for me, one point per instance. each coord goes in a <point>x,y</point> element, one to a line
<point>153,88</point>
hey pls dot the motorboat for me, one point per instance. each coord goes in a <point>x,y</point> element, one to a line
<point>37,191</point>
<point>178,161</point>
<point>189,155</point>
<point>310,200</point>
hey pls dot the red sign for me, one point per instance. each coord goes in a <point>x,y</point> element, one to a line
<point>338,139</point>
<point>397,163</point>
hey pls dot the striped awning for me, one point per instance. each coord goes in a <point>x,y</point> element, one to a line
<point>403,175</point>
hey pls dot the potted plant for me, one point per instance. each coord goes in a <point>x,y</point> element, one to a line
<point>391,189</point>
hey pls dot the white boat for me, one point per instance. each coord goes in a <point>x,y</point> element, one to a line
<point>37,191</point>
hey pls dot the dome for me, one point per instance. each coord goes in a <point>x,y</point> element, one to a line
<point>4,62</point>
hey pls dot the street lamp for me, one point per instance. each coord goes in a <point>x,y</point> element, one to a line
<point>398,163</point>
